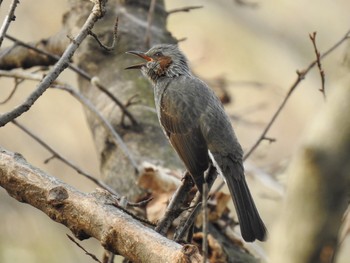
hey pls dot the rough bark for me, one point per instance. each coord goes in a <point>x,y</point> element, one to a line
<point>88,215</point>
<point>146,142</point>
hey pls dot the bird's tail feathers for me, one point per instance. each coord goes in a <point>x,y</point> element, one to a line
<point>252,226</point>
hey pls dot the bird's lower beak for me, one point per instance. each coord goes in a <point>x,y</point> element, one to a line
<point>141,55</point>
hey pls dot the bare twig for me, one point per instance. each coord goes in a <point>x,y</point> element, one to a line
<point>86,252</point>
<point>149,22</point>
<point>58,156</point>
<point>300,76</point>
<point>138,218</point>
<point>131,101</point>
<point>84,74</point>
<point>269,139</point>
<point>313,40</point>
<point>17,82</point>
<point>21,75</point>
<point>184,9</point>
<point>205,222</point>
<point>55,154</point>
<point>115,37</point>
<point>247,4</point>
<point>61,64</point>
<point>115,136</point>
<point>124,109</point>
<point>8,19</point>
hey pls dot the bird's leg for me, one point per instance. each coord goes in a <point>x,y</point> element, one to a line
<point>186,224</point>
<point>175,207</point>
<point>188,218</point>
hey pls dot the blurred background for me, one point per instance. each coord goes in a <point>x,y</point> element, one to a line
<point>257,50</point>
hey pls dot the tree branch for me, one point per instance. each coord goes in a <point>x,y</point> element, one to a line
<point>300,76</point>
<point>87,215</point>
<point>55,154</point>
<point>8,19</point>
<point>319,65</point>
<point>61,64</point>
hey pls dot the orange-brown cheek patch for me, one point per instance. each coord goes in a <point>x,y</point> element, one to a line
<point>164,62</point>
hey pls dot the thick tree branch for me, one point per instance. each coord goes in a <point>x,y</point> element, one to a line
<point>87,215</point>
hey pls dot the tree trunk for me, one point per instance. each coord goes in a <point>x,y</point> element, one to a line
<point>145,142</point>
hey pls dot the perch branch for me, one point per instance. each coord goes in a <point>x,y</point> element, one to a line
<point>176,206</point>
<point>87,215</point>
<point>187,219</point>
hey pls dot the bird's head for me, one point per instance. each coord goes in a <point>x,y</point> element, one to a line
<point>162,60</point>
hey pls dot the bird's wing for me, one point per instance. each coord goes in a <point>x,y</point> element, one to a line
<point>180,111</point>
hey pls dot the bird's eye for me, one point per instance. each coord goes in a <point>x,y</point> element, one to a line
<point>158,54</point>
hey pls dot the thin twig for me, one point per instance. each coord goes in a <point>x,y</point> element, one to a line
<point>142,220</point>
<point>8,19</point>
<point>17,82</point>
<point>131,101</point>
<point>55,154</point>
<point>61,65</point>
<point>205,222</point>
<point>300,76</point>
<point>184,9</point>
<point>247,4</point>
<point>58,156</point>
<point>21,75</point>
<point>83,74</point>
<point>313,40</point>
<point>149,22</point>
<point>86,252</point>
<point>115,37</point>
<point>124,109</point>
<point>115,136</point>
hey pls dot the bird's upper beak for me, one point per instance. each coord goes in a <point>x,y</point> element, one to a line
<point>141,55</point>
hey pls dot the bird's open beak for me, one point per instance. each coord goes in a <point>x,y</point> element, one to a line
<point>141,55</point>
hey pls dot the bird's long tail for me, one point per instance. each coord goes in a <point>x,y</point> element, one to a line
<point>252,226</point>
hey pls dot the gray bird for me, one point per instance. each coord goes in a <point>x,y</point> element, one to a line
<point>198,128</point>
